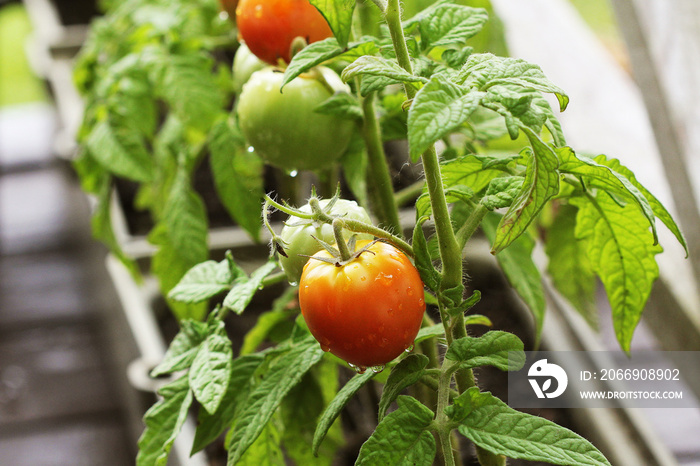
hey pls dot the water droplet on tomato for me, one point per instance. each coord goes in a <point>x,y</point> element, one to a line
<point>377,369</point>
<point>409,349</point>
<point>409,291</point>
<point>358,369</point>
<point>325,348</point>
<point>384,278</point>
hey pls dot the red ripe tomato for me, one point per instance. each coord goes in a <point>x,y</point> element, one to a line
<point>268,27</point>
<point>367,311</point>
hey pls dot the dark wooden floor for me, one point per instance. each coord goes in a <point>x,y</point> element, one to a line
<point>58,401</point>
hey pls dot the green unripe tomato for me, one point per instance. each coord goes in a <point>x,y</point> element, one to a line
<point>245,63</point>
<point>298,235</point>
<point>284,129</point>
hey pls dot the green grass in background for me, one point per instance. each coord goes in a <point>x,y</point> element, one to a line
<point>17,82</point>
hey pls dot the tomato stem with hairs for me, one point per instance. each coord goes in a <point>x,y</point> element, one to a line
<point>340,243</point>
<point>450,250</point>
<point>467,230</point>
<point>360,227</point>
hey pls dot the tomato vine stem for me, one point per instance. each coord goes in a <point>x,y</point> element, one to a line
<point>387,210</point>
<point>345,253</point>
<point>448,244</point>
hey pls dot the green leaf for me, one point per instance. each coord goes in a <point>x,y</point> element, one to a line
<point>318,52</point>
<point>211,369</point>
<point>267,321</point>
<point>455,58</point>
<point>569,266</point>
<point>243,291</point>
<point>465,305</point>
<point>101,223</point>
<point>601,176</point>
<point>402,437</point>
<point>188,85</point>
<point>133,104</point>
<point>185,218</point>
<point>283,374</point>
<point>163,422</point>
<point>477,319</point>
<point>502,350</point>
<point>267,448</point>
<point>210,426</point>
<point>658,208</point>
<point>437,330</point>
<point>238,176</point>
<point>302,408</point>
<point>453,193</point>
<point>393,118</point>
<point>502,191</point>
<point>338,14</point>
<point>169,266</point>
<point>438,109</point>
<point>450,24</point>
<point>541,184</point>
<point>332,411</point>
<point>517,108</point>
<point>520,270</point>
<point>183,348</point>
<point>621,250</point>
<point>354,166</point>
<point>424,263</point>
<point>472,171</point>
<point>494,426</point>
<point>485,70</point>
<point>203,281</point>
<point>404,374</point>
<point>389,70</point>
<point>121,151</point>
<point>343,105</point>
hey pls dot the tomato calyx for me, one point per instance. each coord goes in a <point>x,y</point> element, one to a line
<point>346,253</point>
<point>321,215</point>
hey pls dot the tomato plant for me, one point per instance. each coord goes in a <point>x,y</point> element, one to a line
<point>299,237</point>
<point>159,103</point>
<point>284,127</point>
<point>389,287</point>
<point>269,27</point>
